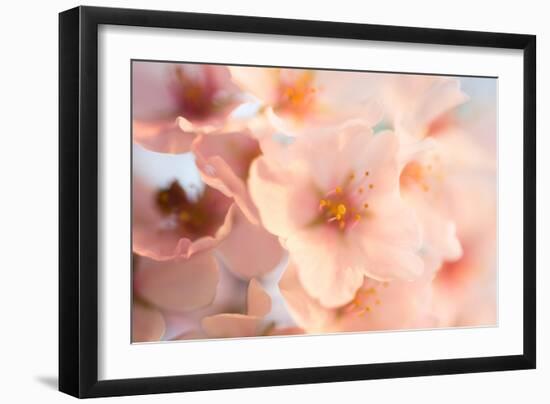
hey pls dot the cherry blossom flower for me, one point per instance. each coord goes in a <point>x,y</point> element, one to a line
<point>423,188</point>
<point>202,96</point>
<point>419,108</point>
<point>333,198</point>
<point>296,98</point>
<point>465,289</point>
<point>171,223</point>
<point>418,105</point>
<point>375,306</point>
<point>232,325</point>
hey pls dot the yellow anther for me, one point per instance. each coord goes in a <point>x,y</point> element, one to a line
<point>338,216</point>
<point>338,190</point>
<point>323,202</point>
<point>341,209</point>
<point>184,216</point>
<point>357,216</point>
<point>163,196</point>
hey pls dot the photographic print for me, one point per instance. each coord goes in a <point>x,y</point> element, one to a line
<point>282,201</point>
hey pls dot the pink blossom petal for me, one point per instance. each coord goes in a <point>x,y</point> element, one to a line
<point>414,102</point>
<point>261,82</point>
<point>179,285</point>
<point>376,306</point>
<point>286,331</point>
<point>306,311</point>
<point>390,220</point>
<point>389,262</point>
<point>330,269</point>
<point>147,323</point>
<point>287,208</point>
<point>263,250</point>
<point>223,161</point>
<point>231,325</point>
<point>161,136</point>
<point>258,301</point>
<point>151,95</point>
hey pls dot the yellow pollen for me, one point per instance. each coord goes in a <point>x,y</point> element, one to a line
<point>367,308</point>
<point>184,216</point>
<point>371,186</point>
<point>323,202</point>
<point>338,190</point>
<point>341,209</point>
<point>357,216</point>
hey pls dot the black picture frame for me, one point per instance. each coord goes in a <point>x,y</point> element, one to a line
<point>78,200</point>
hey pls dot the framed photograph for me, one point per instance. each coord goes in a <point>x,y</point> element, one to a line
<point>252,201</point>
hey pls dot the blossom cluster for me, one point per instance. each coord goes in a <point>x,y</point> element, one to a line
<point>279,201</point>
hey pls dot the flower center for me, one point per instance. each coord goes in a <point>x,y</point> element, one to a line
<point>189,218</point>
<point>195,93</point>
<point>297,97</point>
<point>347,205</point>
<point>422,174</point>
<point>365,301</point>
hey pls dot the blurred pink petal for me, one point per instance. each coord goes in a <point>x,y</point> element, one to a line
<point>297,98</point>
<point>263,250</point>
<point>162,136</point>
<point>233,325</point>
<point>230,296</point>
<point>376,306</point>
<point>333,198</point>
<point>422,186</point>
<point>203,95</point>
<point>224,161</point>
<point>415,103</point>
<point>167,224</point>
<point>230,325</point>
<point>286,331</point>
<point>179,285</point>
<point>258,301</point>
<point>465,293</point>
<point>147,323</point>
